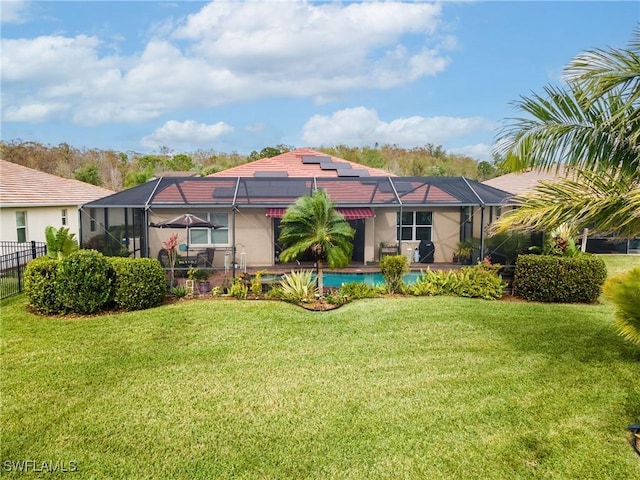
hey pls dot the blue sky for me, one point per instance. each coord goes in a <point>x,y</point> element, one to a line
<point>241,75</point>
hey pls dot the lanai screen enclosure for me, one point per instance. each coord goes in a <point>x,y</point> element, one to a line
<point>384,210</point>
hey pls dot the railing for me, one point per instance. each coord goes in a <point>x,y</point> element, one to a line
<point>14,257</point>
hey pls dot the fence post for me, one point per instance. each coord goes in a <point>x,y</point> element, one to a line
<point>19,271</point>
<point>33,250</point>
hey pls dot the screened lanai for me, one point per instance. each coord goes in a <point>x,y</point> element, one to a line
<point>398,211</point>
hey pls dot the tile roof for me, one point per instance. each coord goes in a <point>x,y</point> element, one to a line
<point>525,182</point>
<point>291,164</point>
<point>23,186</point>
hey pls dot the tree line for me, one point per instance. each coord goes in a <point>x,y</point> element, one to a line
<point>119,170</point>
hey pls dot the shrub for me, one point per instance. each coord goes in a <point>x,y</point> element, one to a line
<point>480,281</point>
<point>256,284</point>
<point>393,268</point>
<point>179,291</point>
<point>40,286</point>
<point>139,283</point>
<point>356,290</point>
<point>431,283</point>
<point>624,291</point>
<point>84,282</point>
<point>299,287</point>
<point>546,278</point>
<point>238,289</point>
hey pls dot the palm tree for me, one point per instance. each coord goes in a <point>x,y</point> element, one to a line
<point>602,202</point>
<point>313,225</point>
<point>592,126</point>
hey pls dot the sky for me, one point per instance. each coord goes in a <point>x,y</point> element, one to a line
<point>236,76</point>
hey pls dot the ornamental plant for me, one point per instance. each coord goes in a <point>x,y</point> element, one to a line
<point>171,246</point>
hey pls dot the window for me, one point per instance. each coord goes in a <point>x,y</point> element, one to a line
<point>63,215</point>
<point>21,226</point>
<point>415,225</point>
<point>211,236</point>
<point>92,219</point>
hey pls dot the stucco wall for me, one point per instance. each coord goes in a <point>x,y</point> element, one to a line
<point>445,232</point>
<point>38,218</point>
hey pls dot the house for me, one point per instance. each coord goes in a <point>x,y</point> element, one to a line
<point>31,200</point>
<point>247,202</point>
<point>519,183</point>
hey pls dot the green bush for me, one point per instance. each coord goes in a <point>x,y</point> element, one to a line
<point>547,278</point>
<point>139,283</point>
<point>84,282</point>
<point>624,291</point>
<point>356,290</point>
<point>393,269</point>
<point>40,287</point>
<point>238,289</point>
<point>480,281</point>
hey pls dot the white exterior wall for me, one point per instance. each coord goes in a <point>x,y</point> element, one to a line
<point>38,218</point>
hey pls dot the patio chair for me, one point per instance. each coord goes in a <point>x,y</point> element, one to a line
<point>205,260</point>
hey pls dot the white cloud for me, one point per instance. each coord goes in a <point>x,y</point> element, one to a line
<point>361,126</point>
<point>14,11</point>
<point>480,151</point>
<point>34,112</point>
<point>188,134</point>
<point>228,52</point>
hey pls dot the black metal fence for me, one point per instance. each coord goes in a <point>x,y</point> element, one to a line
<point>13,258</point>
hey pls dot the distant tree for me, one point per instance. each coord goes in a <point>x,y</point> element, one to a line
<point>88,174</point>
<point>181,163</point>
<point>137,177</point>
<point>486,171</point>
<point>268,152</point>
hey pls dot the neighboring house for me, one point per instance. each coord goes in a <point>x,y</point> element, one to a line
<point>525,182</point>
<point>31,200</point>
<point>248,201</point>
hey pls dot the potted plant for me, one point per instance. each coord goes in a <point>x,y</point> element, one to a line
<point>463,252</point>
<point>201,277</point>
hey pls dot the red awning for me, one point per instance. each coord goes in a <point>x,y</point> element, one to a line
<point>347,213</point>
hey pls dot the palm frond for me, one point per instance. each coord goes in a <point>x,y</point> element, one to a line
<point>604,203</point>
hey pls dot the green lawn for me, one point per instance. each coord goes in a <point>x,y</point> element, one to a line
<point>421,388</point>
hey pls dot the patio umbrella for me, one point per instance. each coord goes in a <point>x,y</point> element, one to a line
<point>186,220</point>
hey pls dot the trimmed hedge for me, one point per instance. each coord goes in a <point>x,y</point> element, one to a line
<point>139,283</point>
<point>84,282</point>
<point>40,286</point>
<point>548,278</point>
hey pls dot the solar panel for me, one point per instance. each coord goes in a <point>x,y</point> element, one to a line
<point>315,159</point>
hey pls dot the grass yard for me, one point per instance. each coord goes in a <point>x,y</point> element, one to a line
<point>425,388</point>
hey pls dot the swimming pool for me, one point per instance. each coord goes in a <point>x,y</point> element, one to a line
<point>336,279</point>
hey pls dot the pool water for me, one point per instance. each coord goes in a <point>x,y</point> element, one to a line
<point>333,279</point>
<point>337,279</point>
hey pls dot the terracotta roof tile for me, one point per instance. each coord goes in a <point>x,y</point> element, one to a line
<point>525,182</point>
<point>291,162</point>
<point>23,186</point>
